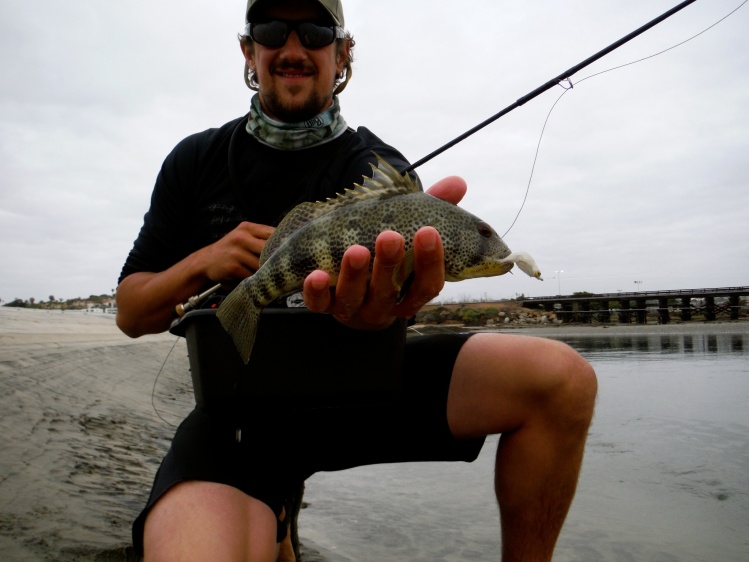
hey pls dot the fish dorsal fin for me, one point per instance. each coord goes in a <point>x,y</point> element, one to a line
<point>385,182</point>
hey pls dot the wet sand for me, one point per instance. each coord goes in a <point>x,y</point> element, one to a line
<point>86,415</point>
<point>81,437</point>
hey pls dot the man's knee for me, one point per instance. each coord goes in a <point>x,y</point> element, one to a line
<point>207,521</point>
<point>501,381</point>
<point>576,388</point>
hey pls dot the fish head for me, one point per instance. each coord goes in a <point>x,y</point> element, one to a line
<point>476,250</point>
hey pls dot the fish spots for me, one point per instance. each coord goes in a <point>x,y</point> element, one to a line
<point>350,236</point>
<point>278,277</point>
<point>389,218</point>
<point>319,252</point>
<point>336,248</point>
<point>265,292</point>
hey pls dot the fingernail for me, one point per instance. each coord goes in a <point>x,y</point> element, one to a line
<point>319,284</point>
<point>390,248</point>
<point>359,262</point>
<point>428,240</point>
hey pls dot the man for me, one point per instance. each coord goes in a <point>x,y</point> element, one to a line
<point>215,202</point>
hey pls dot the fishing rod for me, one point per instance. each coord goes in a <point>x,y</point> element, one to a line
<point>194,302</point>
<point>565,76</point>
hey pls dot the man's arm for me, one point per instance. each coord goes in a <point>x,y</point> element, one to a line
<point>374,305</point>
<point>146,300</point>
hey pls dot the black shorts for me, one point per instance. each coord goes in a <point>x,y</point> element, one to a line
<point>266,453</point>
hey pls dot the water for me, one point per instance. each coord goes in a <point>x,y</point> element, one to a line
<point>665,478</point>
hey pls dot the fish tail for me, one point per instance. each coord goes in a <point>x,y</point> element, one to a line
<point>239,316</point>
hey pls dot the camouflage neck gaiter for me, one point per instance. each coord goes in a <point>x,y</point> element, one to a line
<point>322,128</point>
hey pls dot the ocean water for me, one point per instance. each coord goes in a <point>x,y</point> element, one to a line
<point>665,477</point>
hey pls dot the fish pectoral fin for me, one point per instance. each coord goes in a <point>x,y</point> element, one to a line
<point>404,288</point>
<point>403,274</point>
<point>404,270</point>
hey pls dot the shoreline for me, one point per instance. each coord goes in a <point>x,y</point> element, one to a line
<point>37,331</point>
<point>577,329</point>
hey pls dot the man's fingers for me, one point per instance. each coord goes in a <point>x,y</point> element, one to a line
<point>429,272</point>
<point>383,291</point>
<point>451,189</point>
<point>375,303</point>
<point>316,291</point>
<point>351,288</point>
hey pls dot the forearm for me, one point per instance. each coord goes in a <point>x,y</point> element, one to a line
<point>146,301</point>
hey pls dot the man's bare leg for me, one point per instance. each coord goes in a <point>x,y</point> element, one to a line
<point>540,395</point>
<point>207,521</point>
<point>286,546</point>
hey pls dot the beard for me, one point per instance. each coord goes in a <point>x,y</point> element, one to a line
<point>293,111</point>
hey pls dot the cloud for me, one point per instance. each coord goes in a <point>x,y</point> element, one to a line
<point>641,172</point>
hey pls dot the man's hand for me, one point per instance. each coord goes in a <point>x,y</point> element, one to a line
<point>375,305</point>
<point>236,255</point>
<point>146,301</point>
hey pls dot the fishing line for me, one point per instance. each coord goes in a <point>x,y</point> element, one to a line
<point>570,86</point>
<point>535,159</point>
<point>551,83</point>
<point>729,14</point>
<point>153,390</point>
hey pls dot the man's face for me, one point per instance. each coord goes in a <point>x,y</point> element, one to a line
<point>295,83</point>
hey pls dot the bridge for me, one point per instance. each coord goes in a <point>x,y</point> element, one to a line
<point>585,308</point>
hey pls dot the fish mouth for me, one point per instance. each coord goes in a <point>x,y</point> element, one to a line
<point>484,269</point>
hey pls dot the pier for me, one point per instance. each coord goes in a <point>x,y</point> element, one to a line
<point>686,304</point>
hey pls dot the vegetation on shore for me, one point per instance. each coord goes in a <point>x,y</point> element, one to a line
<point>495,313</point>
<point>483,313</point>
<point>102,302</point>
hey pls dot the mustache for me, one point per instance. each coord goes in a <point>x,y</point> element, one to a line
<point>291,66</point>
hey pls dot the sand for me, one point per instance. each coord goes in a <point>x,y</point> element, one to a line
<point>86,415</point>
<point>79,437</point>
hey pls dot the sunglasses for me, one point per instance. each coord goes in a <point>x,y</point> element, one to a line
<point>274,34</point>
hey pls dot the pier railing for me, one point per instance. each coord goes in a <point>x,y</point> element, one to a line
<point>689,303</point>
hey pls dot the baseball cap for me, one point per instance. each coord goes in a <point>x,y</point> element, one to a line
<point>333,7</point>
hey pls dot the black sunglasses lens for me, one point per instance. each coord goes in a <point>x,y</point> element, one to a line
<point>275,33</point>
<point>313,36</point>
<point>272,34</point>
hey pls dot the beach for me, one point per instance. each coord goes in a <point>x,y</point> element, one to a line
<point>87,415</point>
<point>79,437</point>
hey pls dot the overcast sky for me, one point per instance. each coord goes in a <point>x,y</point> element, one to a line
<point>642,173</point>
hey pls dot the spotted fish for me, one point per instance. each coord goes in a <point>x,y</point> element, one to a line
<point>315,236</point>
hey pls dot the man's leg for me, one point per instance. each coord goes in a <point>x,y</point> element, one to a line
<point>540,395</point>
<point>206,521</point>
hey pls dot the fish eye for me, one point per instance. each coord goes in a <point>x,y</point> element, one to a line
<point>484,230</point>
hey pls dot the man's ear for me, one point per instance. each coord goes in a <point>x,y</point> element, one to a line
<point>249,55</point>
<point>344,52</point>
